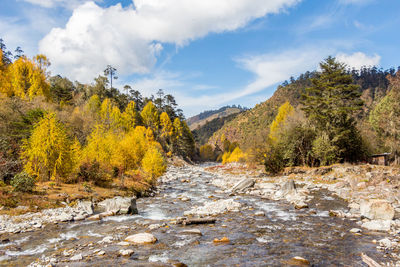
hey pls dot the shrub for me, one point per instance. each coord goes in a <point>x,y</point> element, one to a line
<point>92,172</point>
<point>23,182</point>
<point>324,150</point>
<point>207,152</point>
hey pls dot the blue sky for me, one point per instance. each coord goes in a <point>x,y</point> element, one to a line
<point>208,53</point>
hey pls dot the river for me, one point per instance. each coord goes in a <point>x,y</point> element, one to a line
<point>269,240</point>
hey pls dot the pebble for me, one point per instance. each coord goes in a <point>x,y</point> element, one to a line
<point>123,243</point>
<point>222,240</point>
<point>191,232</point>
<point>355,230</point>
<point>101,253</point>
<point>259,213</point>
<point>141,238</point>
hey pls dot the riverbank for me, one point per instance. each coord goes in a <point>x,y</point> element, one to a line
<point>371,193</point>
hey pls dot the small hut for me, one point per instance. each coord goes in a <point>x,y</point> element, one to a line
<point>380,159</point>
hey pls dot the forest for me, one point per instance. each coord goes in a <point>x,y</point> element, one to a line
<point>324,117</point>
<point>56,131</point>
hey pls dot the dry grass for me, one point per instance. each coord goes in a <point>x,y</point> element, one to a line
<point>48,195</point>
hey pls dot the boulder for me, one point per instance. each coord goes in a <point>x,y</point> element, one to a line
<point>377,225</point>
<point>141,238</point>
<point>214,207</point>
<point>76,257</point>
<point>120,205</point>
<point>242,185</point>
<point>377,209</point>
<point>85,206</point>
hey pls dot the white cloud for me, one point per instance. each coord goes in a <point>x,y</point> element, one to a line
<point>358,59</point>
<point>130,38</point>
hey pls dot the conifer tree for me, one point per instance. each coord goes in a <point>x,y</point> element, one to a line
<point>330,105</point>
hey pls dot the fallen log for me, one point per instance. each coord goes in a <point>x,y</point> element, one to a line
<point>370,262</point>
<point>186,221</point>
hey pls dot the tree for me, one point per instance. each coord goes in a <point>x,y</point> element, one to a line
<point>129,117</point>
<point>150,116</point>
<point>42,62</point>
<point>61,89</point>
<point>330,105</point>
<point>110,70</point>
<point>283,112</point>
<point>47,153</point>
<point>384,118</point>
<point>18,53</point>
<point>153,164</point>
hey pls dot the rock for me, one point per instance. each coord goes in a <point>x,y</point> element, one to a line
<point>126,252</point>
<point>300,205</point>
<point>337,213</point>
<point>94,217</point>
<point>191,232</point>
<point>120,205</point>
<point>222,240</point>
<point>154,226</point>
<point>101,253</point>
<point>385,243</point>
<point>76,257</point>
<point>242,185</point>
<point>377,209</point>
<point>85,206</point>
<point>107,239</point>
<point>377,225</point>
<point>299,261</point>
<point>214,207</point>
<point>64,217</point>
<point>123,243</point>
<point>141,238</point>
<point>259,213</point>
<point>355,230</point>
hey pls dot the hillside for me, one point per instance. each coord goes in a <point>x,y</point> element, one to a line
<point>209,115</point>
<point>251,127</point>
<point>202,133</point>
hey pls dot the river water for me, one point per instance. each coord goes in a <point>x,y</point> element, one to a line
<point>270,240</point>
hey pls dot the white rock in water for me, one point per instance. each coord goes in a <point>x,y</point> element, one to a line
<point>107,239</point>
<point>377,225</point>
<point>101,253</point>
<point>76,257</point>
<point>377,209</point>
<point>385,243</point>
<point>126,252</point>
<point>191,232</point>
<point>142,238</point>
<point>214,207</point>
<point>259,213</point>
<point>123,243</point>
<point>355,230</point>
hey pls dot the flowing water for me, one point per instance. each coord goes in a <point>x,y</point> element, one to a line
<point>270,240</point>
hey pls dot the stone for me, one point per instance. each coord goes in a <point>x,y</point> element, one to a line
<point>107,239</point>
<point>95,217</point>
<point>123,243</point>
<point>299,261</point>
<point>65,217</point>
<point>191,232</point>
<point>300,205</point>
<point>222,240</point>
<point>126,252</point>
<point>154,226</point>
<point>355,230</point>
<point>377,209</point>
<point>85,206</point>
<point>214,207</point>
<point>385,243</point>
<point>120,205</point>
<point>242,185</point>
<point>377,225</point>
<point>76,257</point>
<point>101,253</point>
<point>141,238</point>
<point>259,213</point>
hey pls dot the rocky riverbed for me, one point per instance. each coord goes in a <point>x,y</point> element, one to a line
<point>246,220</point>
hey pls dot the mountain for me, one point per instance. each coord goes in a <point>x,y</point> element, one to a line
<point>251,127</point>
<point>209,115</point>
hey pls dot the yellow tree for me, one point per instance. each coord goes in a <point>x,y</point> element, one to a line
<point>110,114</point>
<point>47,153</point>
<point>27,80</point>
<point>42,62</point>
<point>5,81</point>
<point>150,116</point>
<point>166,125</point>
<point>283,113</point>
<point>153,164</point>
<point>129,117</point>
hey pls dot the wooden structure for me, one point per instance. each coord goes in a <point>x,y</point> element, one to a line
<point>380,159</point>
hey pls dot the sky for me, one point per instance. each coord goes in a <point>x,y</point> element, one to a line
<point>207,53</point>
